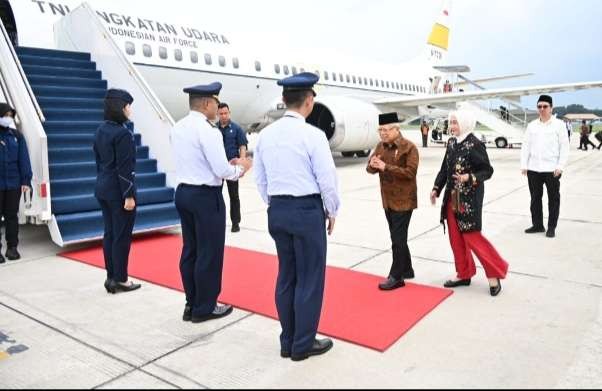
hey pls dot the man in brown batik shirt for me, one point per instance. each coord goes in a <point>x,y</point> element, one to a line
<point>396,161</point>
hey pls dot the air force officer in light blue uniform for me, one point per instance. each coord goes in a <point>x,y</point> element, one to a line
<point>296,176</point>
<point>201,167</point>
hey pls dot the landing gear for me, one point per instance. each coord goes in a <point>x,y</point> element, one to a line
<point>360,154</point>
<point>501,143</point>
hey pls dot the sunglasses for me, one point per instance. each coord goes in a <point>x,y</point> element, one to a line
<point>543,107</point>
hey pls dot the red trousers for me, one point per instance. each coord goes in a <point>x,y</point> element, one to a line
<point>464,244</point>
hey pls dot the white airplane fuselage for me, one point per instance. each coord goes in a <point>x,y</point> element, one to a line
<point>172,55</point>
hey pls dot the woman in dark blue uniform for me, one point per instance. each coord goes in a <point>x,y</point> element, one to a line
<point>15,177</point>
<point>115,152</point>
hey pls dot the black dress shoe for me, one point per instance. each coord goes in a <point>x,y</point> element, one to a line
<point>285,354</point>
<point>319,347</point>
<point>12,254</point>
<point>108,285</point>
<point>220,311</point>
<point>535,230</point>
<point>187,316</point>
<point>495,290</point>
<point>391,284</point>
<point>457,283</point>
<point>551,233</point>
<point>235,228</point>
<point>116,287</point>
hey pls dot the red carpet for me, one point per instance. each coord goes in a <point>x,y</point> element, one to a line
<point>354,309</point>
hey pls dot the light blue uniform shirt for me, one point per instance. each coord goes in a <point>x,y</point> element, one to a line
<point>293,158</point>
<point>199,155</point>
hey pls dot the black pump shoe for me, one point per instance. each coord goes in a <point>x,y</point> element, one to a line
<point>495,290</point>
<point>116,287</point>
<point>455,284</point>
<point>12,254</point>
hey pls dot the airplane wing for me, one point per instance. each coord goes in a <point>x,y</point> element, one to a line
<point>493,78</point>
<point>515,93</point>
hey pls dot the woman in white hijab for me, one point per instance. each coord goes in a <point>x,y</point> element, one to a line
<point>464,170</point>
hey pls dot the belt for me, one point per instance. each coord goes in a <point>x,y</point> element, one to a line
<point>200,186</point>
<point>290,197</point>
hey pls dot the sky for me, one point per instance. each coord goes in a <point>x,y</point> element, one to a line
<point>558,40</point>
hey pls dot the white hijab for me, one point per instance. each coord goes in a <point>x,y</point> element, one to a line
<point>466,121</point>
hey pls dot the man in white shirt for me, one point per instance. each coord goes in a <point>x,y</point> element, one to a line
<point>545,153</point>
<point>297,178</point>
<point>201,167</point>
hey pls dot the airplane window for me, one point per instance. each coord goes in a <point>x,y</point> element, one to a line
<point>235,63</point>
<point>365,80</point>
<point>277,68</point>
<point>130,48</point>
<point>162,52</point>
<point>147,50</point>
<point>302,70</point>
<point>388,85</point>
<point>257,66</point>
<point>294,69</point>
<point>286,70</point>
<point>222,61</point>
<point>208,59</point>
<point>334,76</point>
<point>360,80</point>
<point>341,77</point>
<point>382,84</point>
<point>326,76</point>
<point>178,54</point>
<point>194,57</point>
<point>371,82</point>
<point>354,80</point>
<point>348,79</point>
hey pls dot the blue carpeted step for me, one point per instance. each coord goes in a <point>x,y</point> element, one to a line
<point>70,103</point>
<point>88,169</point>
<point>59,81</point>
<point>85,226</point>
<point>70,127</point>
<point>56,62</point>
<point>88,203</point>
<point>41,70</point>
<point>63,114</point>
<point>29,51</point>
<point>83,186</point>
<point>77,140</point>
<point>74,155</point>
<point>69,92</point>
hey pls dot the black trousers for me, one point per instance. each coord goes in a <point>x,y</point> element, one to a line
<point>117,241</point>
<point>536,182</point>
<point>203,215</point>
<point>234,201</point>
<point>9,208</point>
<point>425,140</point>
<point>585,141</point>
<point>399,222</point>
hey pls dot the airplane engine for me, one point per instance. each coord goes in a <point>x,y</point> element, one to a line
<point>349,124</point>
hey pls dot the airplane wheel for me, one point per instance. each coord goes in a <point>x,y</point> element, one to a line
<point>363,153</point>
<point>348,154</point>
<point>501,143</point>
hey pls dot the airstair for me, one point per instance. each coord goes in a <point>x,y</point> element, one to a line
<point>58,95</point>
<point>507,134</point>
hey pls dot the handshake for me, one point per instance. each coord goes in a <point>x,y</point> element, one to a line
<point>245,163</point>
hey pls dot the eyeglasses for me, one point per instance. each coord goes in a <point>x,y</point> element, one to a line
<point>543,107</point>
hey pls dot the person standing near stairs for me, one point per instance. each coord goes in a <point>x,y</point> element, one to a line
<point>201,167</point>
<point>115,153</point>
<point>15,177</point>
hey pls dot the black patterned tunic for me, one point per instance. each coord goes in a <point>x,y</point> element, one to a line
<point>468,157</point>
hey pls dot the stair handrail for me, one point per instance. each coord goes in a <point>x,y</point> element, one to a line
<point>18,93</point>
<point>152,98</point>
<point>81,30</point>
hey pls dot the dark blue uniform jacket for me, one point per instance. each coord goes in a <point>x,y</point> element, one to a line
<point>15,167</point>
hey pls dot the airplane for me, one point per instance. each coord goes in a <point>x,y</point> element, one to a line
<point>172,55</point>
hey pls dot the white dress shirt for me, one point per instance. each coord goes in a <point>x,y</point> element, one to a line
<point>294,158</point>
<point>199,155</point>
<point>545,146</point>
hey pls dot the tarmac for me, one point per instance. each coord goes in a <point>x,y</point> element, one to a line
<point>59,328</point>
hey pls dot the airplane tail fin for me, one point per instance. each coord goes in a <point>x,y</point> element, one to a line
<point>438,42</point>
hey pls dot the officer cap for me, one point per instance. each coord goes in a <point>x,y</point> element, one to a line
<point>388,118</point>
<point>212,90</point>
<point>123,95</point>
<point>300,82</point>
<point>5,109</point>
